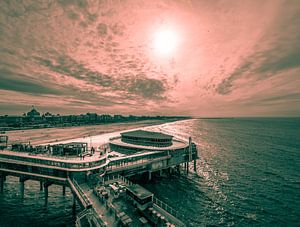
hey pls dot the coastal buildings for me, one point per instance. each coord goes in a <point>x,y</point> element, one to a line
<point>34,119</point>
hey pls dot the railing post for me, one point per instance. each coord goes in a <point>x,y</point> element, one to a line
<point>187,167</point>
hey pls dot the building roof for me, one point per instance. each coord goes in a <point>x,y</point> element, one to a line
<point>33,112</point>
<point>139,191</point>
<point>147,134</point>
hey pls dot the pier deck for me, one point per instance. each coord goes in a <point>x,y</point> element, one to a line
<point>114,211</point>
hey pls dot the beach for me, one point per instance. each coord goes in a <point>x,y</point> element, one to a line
<point>55,135</point>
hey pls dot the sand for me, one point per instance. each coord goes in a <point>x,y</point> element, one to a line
<point>54,135</point>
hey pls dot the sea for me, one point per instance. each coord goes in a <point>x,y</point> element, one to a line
<point>248,174</point>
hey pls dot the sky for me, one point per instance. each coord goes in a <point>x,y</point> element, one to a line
<point>200,58</point>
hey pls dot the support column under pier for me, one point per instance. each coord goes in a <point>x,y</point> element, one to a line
<point>1,184</point>
<point>22,189</point>
<point>41,186</point>
<point>22,186</point>
<point>74,204</point>
<point>64,190</point>
<point>195,165</point>
<point>149,176</point>
<point>46,194</point>
<point>46,191</point>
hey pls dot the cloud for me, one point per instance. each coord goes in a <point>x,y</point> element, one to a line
<point>99,54</point>
<point>19,82</point>
<point>278,50</point>
<point>147,88</point>
<point>118,28</point>
<point>226,86</point>
<point>102,29</point>
<point>139,84</point>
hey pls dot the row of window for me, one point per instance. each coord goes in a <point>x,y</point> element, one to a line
<point>148,142</point>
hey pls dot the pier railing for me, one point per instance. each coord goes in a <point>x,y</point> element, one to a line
<point>52,162</point>
<point>91,214</point>
<point>167,208</point>
<point>83,213</point>
<point>135,160</point>
<point>97,219</point>
<point>82,195</point>
<point>116,177</point>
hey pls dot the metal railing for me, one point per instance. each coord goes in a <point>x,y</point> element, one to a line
<point>97,218</point>
<point>81,193</point>
<point>83,213</point>
<point>167,208</point>
<point>114,165</point>
<point>91,214</point>
<point>117,177</point>
<point>61,164</point>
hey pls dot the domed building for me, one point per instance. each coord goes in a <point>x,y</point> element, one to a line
<point>33,113</point>
<point>140,140</point>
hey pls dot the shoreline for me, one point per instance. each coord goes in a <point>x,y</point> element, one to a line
<point>88,133</point>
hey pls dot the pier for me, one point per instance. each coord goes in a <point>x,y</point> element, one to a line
<point>81,172</point>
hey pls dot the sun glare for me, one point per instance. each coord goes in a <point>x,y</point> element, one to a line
<point>165,42</point>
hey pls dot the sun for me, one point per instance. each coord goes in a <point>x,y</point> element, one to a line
<point>166,42</point>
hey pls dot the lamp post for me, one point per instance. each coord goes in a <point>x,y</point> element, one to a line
<point>90,141</point>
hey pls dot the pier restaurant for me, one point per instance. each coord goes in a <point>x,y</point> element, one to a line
<point>140,140</point>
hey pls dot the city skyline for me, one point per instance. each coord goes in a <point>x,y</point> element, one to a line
<point>185,57</point>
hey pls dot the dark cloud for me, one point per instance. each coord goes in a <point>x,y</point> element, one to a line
<point>147,88</point>
<point>139,84</point>
<point>79,3</point>
<point>283,53</point>
<point>276,64</point>
<point>20,8</point>
<point>118,29</point>
<point>284,98</point>
<point>102,29</point>
<point>7,51</point>
<point>20,82</point>
<point>72,15</point>
<point>226,86</point>
<point>263,65</point>
<point>273,100</point>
